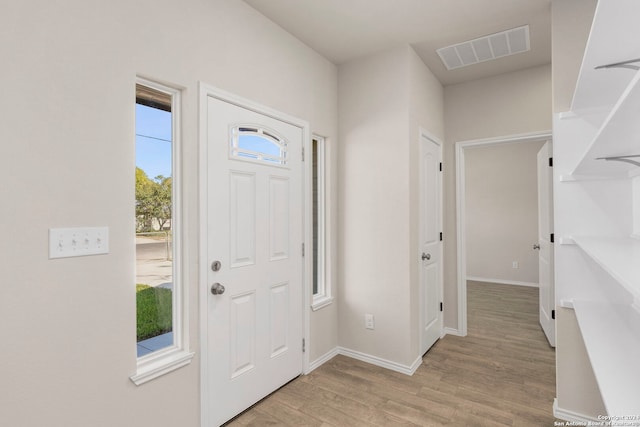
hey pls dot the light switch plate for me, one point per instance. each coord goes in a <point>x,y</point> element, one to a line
<point>369,322</point>
<point>80,241</point>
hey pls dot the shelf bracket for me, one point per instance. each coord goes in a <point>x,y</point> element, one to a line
<point>624,159</point>
<point>623,64</point>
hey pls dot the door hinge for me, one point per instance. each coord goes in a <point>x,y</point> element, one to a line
<point>440,166</point>
<point>552,238</point>
<point>553,314</point>
<point>303,249</point>
<point>550,162</point>
<point>304,348</point>
<point>441,307</point>
<point>441,236</point>
<point>303,154</point>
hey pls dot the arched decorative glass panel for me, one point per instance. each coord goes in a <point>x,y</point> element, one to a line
<point>258,144</point>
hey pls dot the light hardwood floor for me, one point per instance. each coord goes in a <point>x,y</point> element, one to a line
<point>501,374</point>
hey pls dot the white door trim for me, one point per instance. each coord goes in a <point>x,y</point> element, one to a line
<point>428,135</point>
<point>461,146</point>
<point>206,91</point>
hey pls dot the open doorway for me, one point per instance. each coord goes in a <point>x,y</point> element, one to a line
<point>496,238</point>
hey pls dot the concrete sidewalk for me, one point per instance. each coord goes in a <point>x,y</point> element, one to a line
<point>152,266</point>
<point>156,343</point>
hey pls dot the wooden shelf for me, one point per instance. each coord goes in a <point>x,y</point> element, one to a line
<point>620,257</point>
<point>613,346</point>
<point>619,135</point>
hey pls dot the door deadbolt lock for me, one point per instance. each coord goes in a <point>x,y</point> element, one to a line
<point>216,265</point>
<point>217,289</point>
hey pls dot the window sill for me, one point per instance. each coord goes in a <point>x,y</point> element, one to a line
<point>155,365</point>
<point>321,302</point>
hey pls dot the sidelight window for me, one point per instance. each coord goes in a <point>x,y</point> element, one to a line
<point>161,330</point>
<point>321,284</point>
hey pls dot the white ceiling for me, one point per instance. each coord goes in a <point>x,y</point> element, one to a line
<point>341,30</point>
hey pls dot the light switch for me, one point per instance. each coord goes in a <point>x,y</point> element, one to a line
<point>81,241</point>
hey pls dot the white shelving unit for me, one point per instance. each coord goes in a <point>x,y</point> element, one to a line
<point>620,257</point>
<point>612,342</point>
<point>613,39</point>
<point>608,101</point>
<point>619,135</point>
<point>609,98</point>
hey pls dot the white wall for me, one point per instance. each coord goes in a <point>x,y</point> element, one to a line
<point>502,210</point>
<point>67,158</point>
<point>373,106</point>
<point>508,104</point>
<point>426,97</point>
<point>379,115</point>
<point>635,186</point>
<point>571,23</point>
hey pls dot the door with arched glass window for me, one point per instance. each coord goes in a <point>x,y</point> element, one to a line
<point>254,216</point>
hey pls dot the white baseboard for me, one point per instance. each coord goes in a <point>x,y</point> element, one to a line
<point>451,331</point>
<point>503,282</point>
<point>567,415</point>
<point>383,363</point>
<point>322,360</point>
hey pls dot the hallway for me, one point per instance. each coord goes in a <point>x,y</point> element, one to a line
<point>501,374</point>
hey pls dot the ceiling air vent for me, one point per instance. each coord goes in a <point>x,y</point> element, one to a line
<point>485,48</point>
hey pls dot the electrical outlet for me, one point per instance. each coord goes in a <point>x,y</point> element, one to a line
<point>81,241</point>
<point>369,321</point>
<point>515,264</point>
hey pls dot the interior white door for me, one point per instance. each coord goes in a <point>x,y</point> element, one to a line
<point>254,257</point>
<point>430,243</point>
<point>545,245</point>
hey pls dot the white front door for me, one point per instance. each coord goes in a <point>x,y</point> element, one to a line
<point>545,245</point>
<point>254,217</point>
<point>430,243</point>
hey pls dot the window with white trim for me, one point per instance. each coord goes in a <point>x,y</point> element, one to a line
<point>257,144</point>
<point>161,319</point>
<point>321,286</point>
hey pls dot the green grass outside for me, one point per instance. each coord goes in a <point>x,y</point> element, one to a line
<point>154,311</point>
